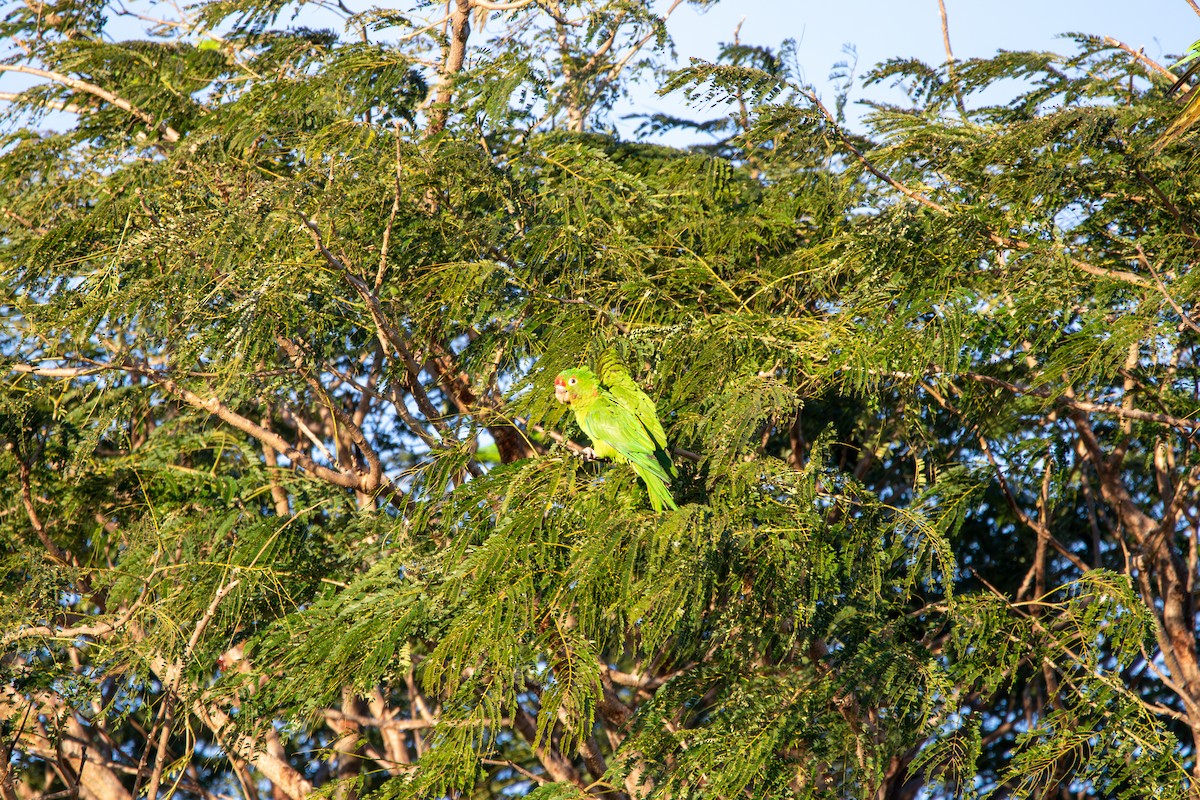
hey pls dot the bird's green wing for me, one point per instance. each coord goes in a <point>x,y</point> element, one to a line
<point>1192,54</point>
<point>608,422</point>
<point>629,395</point>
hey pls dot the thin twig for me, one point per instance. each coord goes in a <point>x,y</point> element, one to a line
<point>1183,315</point>
<point>387,231</point>
<point>291,416</point>
<point>862,159</point>
<point>1040,527</point>
<point>374,477</point>
<point>391,338</point>
<point>495,762</point>
<point>55,552</point>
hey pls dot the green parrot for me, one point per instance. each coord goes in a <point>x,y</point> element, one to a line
<point>621,422</point>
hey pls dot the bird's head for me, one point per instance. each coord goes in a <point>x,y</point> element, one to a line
<point>571,384</point>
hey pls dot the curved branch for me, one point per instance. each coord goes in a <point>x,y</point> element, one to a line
<point>168,133</point>
<point>374,476</point>
<point>276,442</point>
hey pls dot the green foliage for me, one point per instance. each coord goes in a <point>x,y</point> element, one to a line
<point>291,499</point>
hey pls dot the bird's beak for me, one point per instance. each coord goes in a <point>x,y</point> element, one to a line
<point>560,392</point>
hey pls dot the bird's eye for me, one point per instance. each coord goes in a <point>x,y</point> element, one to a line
<point>572,381</point>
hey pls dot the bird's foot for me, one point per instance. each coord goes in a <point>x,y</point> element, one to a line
<point>588,454</point>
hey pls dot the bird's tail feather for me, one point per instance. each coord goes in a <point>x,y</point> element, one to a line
<point>664,461</point>
<point>656,485</point>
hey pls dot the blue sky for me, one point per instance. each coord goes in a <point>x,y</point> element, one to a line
<point>882,29</point>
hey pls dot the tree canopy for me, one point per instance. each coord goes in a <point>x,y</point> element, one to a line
<point>293,511</point>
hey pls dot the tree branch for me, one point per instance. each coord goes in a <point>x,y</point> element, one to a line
<point>1138,55</point>
<point>511,6</point>
<point>1065,400</point>
<point>73,632</point>
<point>556,765</point>
<point>55,552</point>
<point>168,133</point>
<point>390,337</point>
<point>171,685</point>
<point>950,60</point>
<point>996,238</point>
<point>18,97</point>
<point>1183,315</point>
<point>214,406</point>
<point>452,63</point>
<point>374,477</point>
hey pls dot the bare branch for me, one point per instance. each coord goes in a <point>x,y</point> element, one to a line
<point>1183,315</point>
<point>59,372</point>
<point>75,631</point>
<point>950,60</point>
<point>274,768</point>
<point>374,477</point>
<point>510,6</point>
<point>425,29</point>
<point>214,406</point>
<point>23,222</point>
<point>1138,55</point>
<point>1112,274</point>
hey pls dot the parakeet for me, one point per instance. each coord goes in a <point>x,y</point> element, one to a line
<point>621,422</point>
